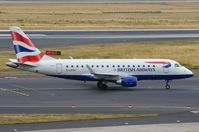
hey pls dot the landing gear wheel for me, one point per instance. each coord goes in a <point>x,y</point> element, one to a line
<point>101,85</point>
<point>168,84</point>
<point>167,87</point>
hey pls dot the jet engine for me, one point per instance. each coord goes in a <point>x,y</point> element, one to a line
<point>129,81</point>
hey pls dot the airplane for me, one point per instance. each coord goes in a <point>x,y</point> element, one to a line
<point>124,72</point>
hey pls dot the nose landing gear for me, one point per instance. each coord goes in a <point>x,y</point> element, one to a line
<point>168,84</point>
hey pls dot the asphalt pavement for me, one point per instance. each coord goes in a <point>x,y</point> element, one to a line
<point>174,127</point>
<point>42,93</point>
<point>60,38</point>
<point>53,95</point>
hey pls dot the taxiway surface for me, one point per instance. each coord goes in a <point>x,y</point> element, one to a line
<point>59,38</point>
<point>53,95</point>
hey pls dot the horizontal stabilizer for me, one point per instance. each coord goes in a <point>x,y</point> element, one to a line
<point>14,63</point>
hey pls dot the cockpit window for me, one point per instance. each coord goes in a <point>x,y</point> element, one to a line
<point>177,65</point>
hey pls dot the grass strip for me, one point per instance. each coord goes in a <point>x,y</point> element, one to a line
<point>6,119</point>
<point>24,74</point>
<point>100,16</point>
<point>196,73</point>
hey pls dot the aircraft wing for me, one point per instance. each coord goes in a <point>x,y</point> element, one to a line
<point>104,76</point>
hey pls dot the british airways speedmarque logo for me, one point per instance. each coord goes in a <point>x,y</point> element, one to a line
<point>164,63</point>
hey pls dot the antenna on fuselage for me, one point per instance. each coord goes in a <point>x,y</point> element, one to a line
<point>70,57</point>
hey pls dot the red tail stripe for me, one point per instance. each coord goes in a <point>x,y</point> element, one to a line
<point>35,58</point>
<point>18,37</point>
<point>158,62</point>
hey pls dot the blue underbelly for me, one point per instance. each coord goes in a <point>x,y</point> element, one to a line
<point>139,77</point>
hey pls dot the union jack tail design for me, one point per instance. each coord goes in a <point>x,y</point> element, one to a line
<point>24,48</point>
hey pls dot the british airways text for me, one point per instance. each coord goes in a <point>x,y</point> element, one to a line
<point>135,69</point>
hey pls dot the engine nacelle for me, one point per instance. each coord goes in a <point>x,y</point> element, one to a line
<point>129,81</point>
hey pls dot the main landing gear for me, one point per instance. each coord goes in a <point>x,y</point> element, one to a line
<point>168,84</point>
<point>102,85</point>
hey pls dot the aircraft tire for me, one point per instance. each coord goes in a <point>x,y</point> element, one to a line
<point>168,87</point>
<point>101,85</point>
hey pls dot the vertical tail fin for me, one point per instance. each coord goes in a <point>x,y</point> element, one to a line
<point>24,48</point>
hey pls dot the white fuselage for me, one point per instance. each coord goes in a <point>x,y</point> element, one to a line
<point>76,68</point>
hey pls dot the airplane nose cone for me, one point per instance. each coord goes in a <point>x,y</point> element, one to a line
<point>189,72</point>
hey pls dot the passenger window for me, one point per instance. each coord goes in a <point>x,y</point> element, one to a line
<point>72,66</point>
<point>102,66</point>
<point>123,65</point>
<point>92,66</point>
<point>118,65</point>
<point>66,66</point>
<point>128,65</point>
<point>133,65</point>
<point>97,66</point>
<point>138,65</point>
<point>82,66</point>
<point>153,65</point>
<point>107,66</point>
<point>148,65</point>
<point>77,66</point>
<point>143,65</point>
<point>113,66</point>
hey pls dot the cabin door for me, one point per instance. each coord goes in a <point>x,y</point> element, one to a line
<point>165,70</point>
<point>59,68</point>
